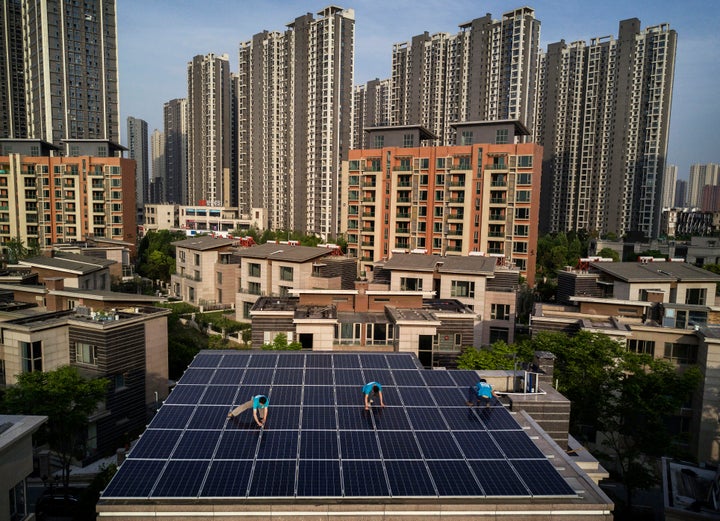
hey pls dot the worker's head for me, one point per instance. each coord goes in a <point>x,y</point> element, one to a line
<point>263,400</point>
<point>376,389</point>
<point>483,380</point>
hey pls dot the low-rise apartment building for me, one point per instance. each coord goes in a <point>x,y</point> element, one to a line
<point>275,269</point>
<point>196,278</point>
<point>202,219</point>
<point>126,346</point>
<point>665,309</point>
<point>481,195</point>
<point>48,199</point>
<point>475,281</point>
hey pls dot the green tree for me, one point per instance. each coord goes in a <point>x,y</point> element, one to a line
<point>635,414</point>
<point>495,357</point>
<point>280,343</point>
<point>67,399</point>
<point>609,253</point>
<point>16,250</point>
<point>156,254</point>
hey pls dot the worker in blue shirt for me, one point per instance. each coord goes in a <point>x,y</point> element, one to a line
<point>259,406</point>
<point>481,392</point>
<point>370,391</point>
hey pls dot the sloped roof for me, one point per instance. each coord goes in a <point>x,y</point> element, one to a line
<point>475,265</point>
<point>655,272</point>
<point>68,262</point>
<point>203,243</point>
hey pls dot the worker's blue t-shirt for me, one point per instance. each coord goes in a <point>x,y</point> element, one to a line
<point>257,404</point>
<point>368,387</point>
<point>483,389</point>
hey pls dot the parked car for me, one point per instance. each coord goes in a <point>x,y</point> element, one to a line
<point>56,504</point>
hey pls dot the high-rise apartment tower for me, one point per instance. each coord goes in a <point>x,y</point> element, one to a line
<point>603,113</point>
<point>294,93</point>
<point>137,143</point>
<point>175,114</point>
<point>209,129</point>
<point>70,69</point>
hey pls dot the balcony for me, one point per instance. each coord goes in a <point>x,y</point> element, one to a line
<point>402,229</point>
<point>368,199</point>
<point>496,251</point>
<point>457,200</point>
<point>403,215</point>
<point>498,200</point>
<point>497,166</point>
<point>497,217</point>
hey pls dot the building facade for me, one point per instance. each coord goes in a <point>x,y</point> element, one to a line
<point>209,143</point>
<point>480,196</point>
<point>13,112</point>
<point>294,93</point>
<point>484,72</point>
<point>137,142</point>
<point>157,191</point>
<point>46,200</point>
<point>175,182</point>
<point>71,70</point>
<point>669,182</point>
<point>700,177</point>
<point>603,113</point>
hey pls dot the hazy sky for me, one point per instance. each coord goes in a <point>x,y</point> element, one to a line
<point>157,38</point>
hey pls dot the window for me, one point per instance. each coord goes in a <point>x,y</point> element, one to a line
<point>286,273</point>
<point>462,288</point>
<point>424,164</point>
<point>695,296</point>
<point>408,140</point>
<point>681,353</point>
<point>525,161</point>
<point>410,284</point>
<point>522,213</point>
<point>520,247</point>
<point>120,381</point>
<point>466,137</point>
<point>498,333</point>
<point>500,312</point>
<point>197,259</point>
<point>347,333</point>
<point>86,353</point>
<point>18,505</point>
<point>378,334</point>
<point>522,196</point>
<point>522,230</point>
<point>440,162</point>
<point>378,141</point>
<point>31,356</point>
<point>219,277</point>
<point>254,270</point>
<point>254,288</point>
<point>524,179</point>
<point>641,346</point>
<point>501,136</point>
<point>182,255</point>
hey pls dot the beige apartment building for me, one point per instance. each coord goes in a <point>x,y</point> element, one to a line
<point>480,196</point>
<point>197,280</point>
<point>666,309</point>
<point>46,199</point>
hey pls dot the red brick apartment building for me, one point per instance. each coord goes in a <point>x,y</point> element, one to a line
<point>479,197</point>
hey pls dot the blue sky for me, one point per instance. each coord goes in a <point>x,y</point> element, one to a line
<point>157,38</point>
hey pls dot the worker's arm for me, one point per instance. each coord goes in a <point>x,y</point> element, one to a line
<point>367,402</point>
<point>382,404</point>
<point>255,416</point>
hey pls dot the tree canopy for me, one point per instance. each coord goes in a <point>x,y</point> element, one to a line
<point>625,402</point>
<point>67,399</point>
<point>156,255</point>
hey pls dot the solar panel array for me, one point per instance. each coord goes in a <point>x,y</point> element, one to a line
<point>319,442</point>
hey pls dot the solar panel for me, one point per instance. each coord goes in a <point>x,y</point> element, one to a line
<point>409,478</point>
<point>156,444</point>
<point>542,478</point>
<point>319,478</point>
<point>273,479</point>
<point>364,478</point>
<point>197,445</point>
<point>278,445</point>
<point>438,445</point>
<point>181,479</point>
<point>319,445</point>
<point>227,479</point>
<point>320,442</point>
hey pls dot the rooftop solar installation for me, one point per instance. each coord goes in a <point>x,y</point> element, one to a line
<point>320,442</point>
